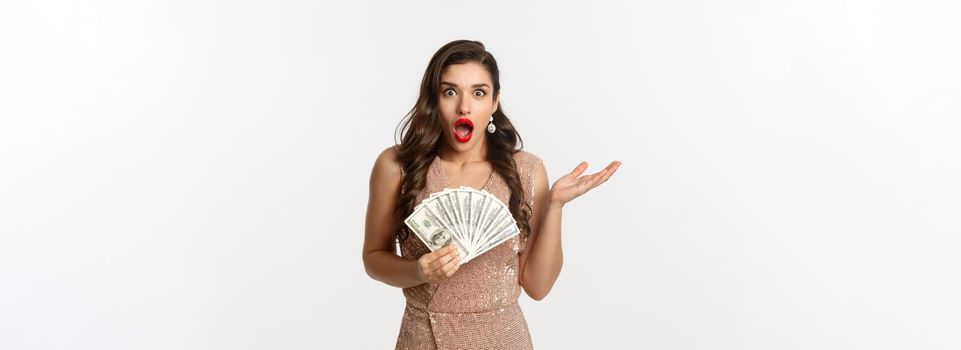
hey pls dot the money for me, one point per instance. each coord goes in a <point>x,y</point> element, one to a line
<point>475,221</point>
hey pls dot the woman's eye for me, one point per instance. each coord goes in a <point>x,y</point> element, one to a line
<point>448,90</point>
<point>479,93</point>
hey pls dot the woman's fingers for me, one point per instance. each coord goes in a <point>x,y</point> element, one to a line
<point>429,260</point>
<point>441,264</point>
<point>446,254</point>
<point>437,266</point>
<point>578,170</point>
<point>450,267</point>
<point>589,182</point>
<point>605,174</point>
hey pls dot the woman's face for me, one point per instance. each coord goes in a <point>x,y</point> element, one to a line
<point>466,103</point>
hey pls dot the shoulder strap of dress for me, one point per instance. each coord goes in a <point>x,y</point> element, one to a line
<point>527,170</point>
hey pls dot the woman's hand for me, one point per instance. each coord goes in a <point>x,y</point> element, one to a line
<point>571,186</point>
<point>437,266</point>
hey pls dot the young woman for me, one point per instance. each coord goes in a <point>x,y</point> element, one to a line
<point>458,135</point>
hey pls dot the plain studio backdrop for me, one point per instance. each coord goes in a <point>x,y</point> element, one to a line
<point>194,175</point>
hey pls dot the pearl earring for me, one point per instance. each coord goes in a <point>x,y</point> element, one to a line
<point>490,127</point>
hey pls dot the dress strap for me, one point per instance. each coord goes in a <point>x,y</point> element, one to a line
<point>527,164</point>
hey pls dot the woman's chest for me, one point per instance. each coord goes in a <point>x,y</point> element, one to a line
<point>474,175</point>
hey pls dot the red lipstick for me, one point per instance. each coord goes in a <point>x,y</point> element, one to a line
<point>463,129</point>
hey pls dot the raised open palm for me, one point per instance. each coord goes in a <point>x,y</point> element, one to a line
<point>573,185</point>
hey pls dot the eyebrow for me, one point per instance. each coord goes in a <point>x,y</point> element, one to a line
<point>455,85</point>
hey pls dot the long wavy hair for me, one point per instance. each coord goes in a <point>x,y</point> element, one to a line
<point>422,136</point>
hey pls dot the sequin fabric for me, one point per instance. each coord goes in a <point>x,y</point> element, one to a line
<point>477,307</point>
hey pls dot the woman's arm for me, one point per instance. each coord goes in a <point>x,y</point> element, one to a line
<point>541,260</point>
<point>380,258</point>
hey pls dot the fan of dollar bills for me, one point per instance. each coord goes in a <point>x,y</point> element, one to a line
<point>474,221</point>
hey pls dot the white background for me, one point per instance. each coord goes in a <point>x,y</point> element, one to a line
<point>193,174</point>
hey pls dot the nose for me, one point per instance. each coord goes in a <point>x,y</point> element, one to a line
<point>463,107</point>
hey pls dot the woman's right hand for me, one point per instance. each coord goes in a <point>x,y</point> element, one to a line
<point>437,266</point>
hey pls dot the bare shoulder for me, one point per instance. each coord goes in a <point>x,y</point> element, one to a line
<point>385,179</point>
<point>387,169</point>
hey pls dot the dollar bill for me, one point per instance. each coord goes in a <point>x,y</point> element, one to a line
<point>475,221</point>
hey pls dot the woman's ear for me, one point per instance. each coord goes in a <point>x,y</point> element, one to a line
<point>496,100</point>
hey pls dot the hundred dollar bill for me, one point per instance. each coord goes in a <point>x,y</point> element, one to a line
<point>432,231</point>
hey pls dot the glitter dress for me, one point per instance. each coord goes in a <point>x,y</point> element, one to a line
<point>477,307</point>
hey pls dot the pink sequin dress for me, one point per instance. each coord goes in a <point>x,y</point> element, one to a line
<point>477,307</point>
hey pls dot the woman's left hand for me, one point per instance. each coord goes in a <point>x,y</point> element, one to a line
<point>571,186</point>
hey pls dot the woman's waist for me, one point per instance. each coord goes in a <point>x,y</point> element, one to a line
<point>421,308</point>
<point>442,298</point>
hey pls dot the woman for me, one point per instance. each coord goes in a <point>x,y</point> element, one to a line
<point>474,305</point>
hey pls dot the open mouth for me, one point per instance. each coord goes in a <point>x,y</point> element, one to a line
<point>463,129</point>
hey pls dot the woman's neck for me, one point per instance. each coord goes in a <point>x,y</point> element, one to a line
<point>476,154</point>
